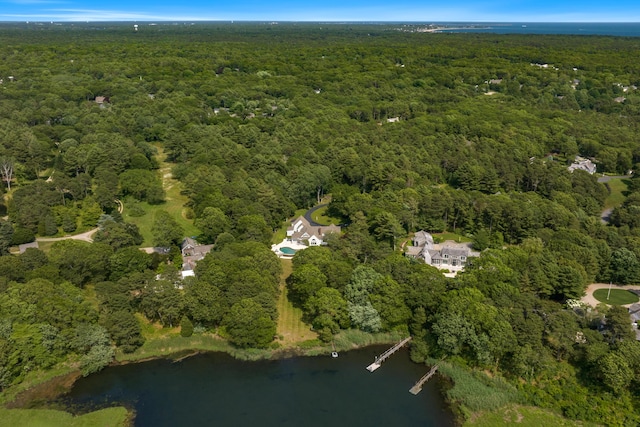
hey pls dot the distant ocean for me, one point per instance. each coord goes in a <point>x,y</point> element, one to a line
<point>630,29</point>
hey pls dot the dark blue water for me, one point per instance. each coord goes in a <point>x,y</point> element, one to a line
<point>215,389</point>
<point>628,29</point>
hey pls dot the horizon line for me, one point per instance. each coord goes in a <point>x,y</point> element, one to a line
<point>323,21</point>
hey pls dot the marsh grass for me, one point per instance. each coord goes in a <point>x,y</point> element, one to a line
<point>475,391</point>
<point>163,342</point>
<point>522,416</point>
<point>353,338</point>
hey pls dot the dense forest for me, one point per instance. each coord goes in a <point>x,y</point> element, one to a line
<point>465,133</point>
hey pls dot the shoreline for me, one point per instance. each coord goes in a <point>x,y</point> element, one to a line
<point>53,387</point>
<point>39,396</point>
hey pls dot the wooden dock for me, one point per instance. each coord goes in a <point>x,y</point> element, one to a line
<point>375,365</point>
<point>418,387</point>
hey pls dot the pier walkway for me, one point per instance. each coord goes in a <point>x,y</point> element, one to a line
<point>418,387</point>
<point>375,365</point>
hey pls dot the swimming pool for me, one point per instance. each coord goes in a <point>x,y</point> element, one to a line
<point>287,251</point>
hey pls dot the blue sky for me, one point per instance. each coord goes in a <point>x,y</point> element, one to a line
<point>327,10</point>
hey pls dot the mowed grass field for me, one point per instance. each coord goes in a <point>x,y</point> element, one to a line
<point>174,204</point>
<point>320,216</point>
<point>109,417</point>
<point>617,297</point>
<point>290,326</point>
<point>452,236</point>
<point>618,192</point>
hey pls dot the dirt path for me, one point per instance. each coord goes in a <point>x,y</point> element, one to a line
<point>589,299</point>
<point>605,215</point>
<point>86,236</point>
<point>608,178</point>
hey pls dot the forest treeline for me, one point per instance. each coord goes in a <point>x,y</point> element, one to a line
<point>465,133</point>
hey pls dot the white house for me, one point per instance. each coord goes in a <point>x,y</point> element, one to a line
<point>301,231</point>
<point>445,256</point>
<point>580,163</point>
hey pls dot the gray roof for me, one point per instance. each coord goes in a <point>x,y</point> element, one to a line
<point>413,251</point>
<point>422,238</point>
<point>581,163</point>
<point>188,241</point>
<point>454,252</point>
<point>300,229</point>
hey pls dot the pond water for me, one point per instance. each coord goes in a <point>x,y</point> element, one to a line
<point>215,389</point>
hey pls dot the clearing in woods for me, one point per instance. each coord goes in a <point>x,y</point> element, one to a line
<point>174,204</point>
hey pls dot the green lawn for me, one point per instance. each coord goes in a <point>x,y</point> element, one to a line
<point>617,297</point>
<point>45,246</point>
<point>618,190</point>
<point>175,344</point>
<point>320,216</point>
<point>174,206</point>
<point>161,342</point>
<point>521,416</point>
<point>451,236</point>
<point>290,327</point>
<point>281,233</point>
<point>109,417</point>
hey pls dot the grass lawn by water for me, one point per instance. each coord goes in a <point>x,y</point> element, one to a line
<point>617,297</point>
<point>290,325</point>
<point>522,416</point>
<point>109,417</point>
<point>161,342</point>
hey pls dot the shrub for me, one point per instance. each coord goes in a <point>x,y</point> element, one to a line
<point>135,210</point>
<point>22,235</point>
<point>186,327</point>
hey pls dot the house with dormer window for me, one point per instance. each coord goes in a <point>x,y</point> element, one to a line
<point>448,255</point>
<point>302,232</point>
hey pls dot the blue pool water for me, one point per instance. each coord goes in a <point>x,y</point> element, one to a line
<point>288,251</point>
